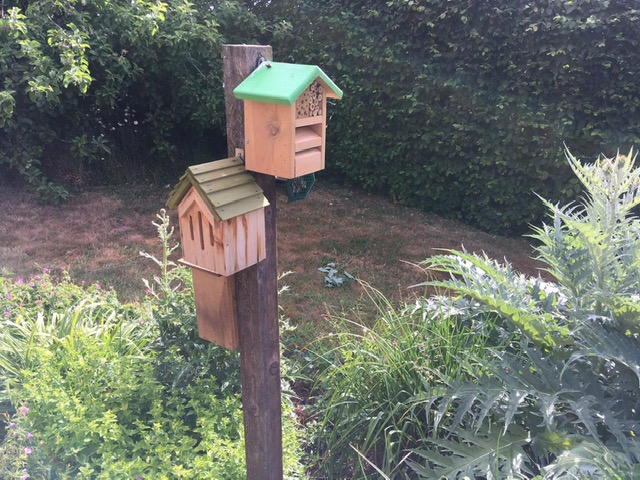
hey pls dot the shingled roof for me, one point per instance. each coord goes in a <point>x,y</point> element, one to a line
<point>226,187</point>
<point>283,83</point>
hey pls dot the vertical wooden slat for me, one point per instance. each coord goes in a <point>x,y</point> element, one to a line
<point>257,299</point>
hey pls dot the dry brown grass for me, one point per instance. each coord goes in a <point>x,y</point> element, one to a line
<point>97,236</point>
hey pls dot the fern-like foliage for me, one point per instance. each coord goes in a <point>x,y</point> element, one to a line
<point>562,399</point>
<point>531,410</point>
<point>593,249</point>
<point>531,304</point>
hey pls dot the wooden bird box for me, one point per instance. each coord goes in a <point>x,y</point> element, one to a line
<point>285,118</point>
<point>222,230</point>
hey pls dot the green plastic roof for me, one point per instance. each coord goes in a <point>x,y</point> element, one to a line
<point>226,187</point>
<point>283,83</point>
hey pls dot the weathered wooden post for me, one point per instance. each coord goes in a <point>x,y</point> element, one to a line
<point>257,287</point>
<point>227,213</point>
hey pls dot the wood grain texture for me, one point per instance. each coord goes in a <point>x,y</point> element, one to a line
<point>257,305</point>
<point>223,247</point>
<point>216,308</point>
<point>286,141</point>
<point>269,130</point>
<point>237,60</point>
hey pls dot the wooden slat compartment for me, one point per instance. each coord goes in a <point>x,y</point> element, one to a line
<point>303,122</point>
<point>306,138</point>
<point>308,161</point>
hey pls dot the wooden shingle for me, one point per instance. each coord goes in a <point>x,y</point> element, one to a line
<point>228,190</point>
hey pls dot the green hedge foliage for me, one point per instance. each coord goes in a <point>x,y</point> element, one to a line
<point>458,107</point>
<point>462,107</point>
<point>111,90</point>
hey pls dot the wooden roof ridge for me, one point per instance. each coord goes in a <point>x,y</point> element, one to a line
<point>226,187</point>
<point>283,83</point>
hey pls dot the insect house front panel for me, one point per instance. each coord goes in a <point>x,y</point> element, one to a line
<point>285,118</point>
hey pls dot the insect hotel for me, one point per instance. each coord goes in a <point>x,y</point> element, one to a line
<point>285,117</point>
<point>221,218</point>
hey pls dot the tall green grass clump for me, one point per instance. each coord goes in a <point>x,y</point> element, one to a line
<point>376,384</point>
<point>550,390</point>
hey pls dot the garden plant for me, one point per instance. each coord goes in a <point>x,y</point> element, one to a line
<point>502,375</point>
<point>94,388</point>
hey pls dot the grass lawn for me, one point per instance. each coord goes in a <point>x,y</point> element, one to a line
<point>97,236</point>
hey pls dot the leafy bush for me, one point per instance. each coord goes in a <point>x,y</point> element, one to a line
<point>551,388</point>
<point>117,390</point>
<point>106,90</point>
<point>540,414</point>
<point>469,102</point>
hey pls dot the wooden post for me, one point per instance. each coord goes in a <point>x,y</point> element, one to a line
<point>257,298</point>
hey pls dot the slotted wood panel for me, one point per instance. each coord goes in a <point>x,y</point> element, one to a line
<point>307,137</point>
<point>221,246</point>
<point>247,232</point>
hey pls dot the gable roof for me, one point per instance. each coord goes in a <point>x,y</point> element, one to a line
<point>283,83</point>
<point>227,188</point>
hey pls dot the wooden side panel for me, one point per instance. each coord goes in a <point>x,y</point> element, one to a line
<point>216,308</point>
<point>248,246</point>
<point>323,128</point>
<point>255,249</point>
<point>269,138</point>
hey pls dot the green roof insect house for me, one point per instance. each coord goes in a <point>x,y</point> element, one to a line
<point>221,217</point>
<point>285,112</point>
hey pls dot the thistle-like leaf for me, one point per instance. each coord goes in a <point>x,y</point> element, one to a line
<point>488,453</point>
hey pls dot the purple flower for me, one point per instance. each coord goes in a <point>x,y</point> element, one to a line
<point>9,296</point>
<point>25,476</point>
<point>24,410</point>
<point>12,424</point>
<point>28,451</point>
<point>29,435</point>
<point>20,281</point>
<point>38,302</point>
<point>45,270</point>
<point>6,314</point>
